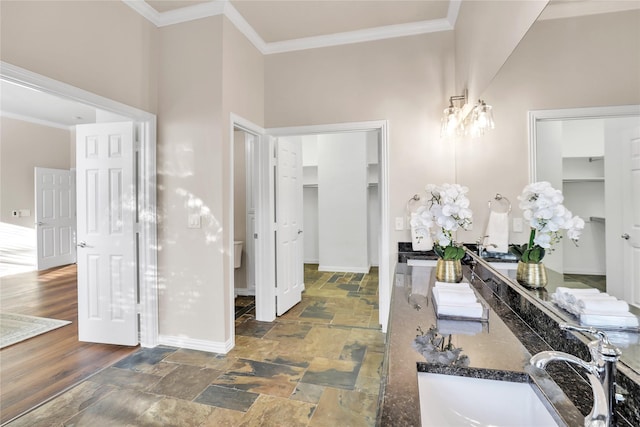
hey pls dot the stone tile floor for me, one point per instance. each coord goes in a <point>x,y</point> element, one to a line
<point>317,365</point>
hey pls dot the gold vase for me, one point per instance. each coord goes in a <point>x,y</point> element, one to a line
<point>449,270</point>
<point>531,275</point>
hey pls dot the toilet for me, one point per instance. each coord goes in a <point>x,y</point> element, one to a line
<point>237,253</point>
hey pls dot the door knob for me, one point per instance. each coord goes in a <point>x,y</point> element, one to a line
<point>82,244</point>
<point>39,223</point>
<point>299,231</point>
<point>625,236</point>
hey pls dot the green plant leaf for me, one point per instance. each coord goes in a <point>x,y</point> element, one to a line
<point>439,250</point>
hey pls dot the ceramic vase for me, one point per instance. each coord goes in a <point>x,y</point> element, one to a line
<point>531,275</point>
<point>449,270</point>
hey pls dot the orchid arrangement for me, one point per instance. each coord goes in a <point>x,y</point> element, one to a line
<point>542,207</point>
<point>442,214</point>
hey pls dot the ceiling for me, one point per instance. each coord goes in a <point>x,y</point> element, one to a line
<point>278,21</point>
<point>281,26</point>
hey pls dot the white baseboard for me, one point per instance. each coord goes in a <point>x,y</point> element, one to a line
<point>196,344</point>
<point>344,269</point>
<point>311,261</point>
<point>245,292</point>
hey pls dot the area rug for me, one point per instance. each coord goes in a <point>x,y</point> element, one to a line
<point>17,327</point>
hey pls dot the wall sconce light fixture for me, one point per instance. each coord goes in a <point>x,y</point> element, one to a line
<point>481,119</point>
<point>476,123</point>
<point>452,120</point>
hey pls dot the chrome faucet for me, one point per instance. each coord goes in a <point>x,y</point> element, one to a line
<point>482,247</point>
<point>601,371</point>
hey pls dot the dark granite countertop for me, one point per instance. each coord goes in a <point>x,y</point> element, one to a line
<point>488,350</point>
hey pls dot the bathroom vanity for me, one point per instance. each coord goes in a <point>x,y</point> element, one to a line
<point>521,323</point>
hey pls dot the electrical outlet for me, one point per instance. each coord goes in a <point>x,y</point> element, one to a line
<point>399,223</point>
<point>194,220</point>
<point>518,226</point>
<point>15,213</point>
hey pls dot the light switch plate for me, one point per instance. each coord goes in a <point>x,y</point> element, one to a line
<point>399,223</point>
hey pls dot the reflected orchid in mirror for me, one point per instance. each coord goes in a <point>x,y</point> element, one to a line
<point>542,207</point>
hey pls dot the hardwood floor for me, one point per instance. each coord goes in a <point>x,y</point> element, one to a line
<point>35,370</point>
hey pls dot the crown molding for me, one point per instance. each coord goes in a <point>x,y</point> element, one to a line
<point>244,27</point>
<point>224,7</point>
<point>366,35</point>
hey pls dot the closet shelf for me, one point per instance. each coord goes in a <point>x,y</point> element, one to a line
<point>593,179</point>
<point>596,219</point>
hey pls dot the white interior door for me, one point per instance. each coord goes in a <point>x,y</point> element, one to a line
<point>106,198</point>
<point>289,244</point>
<point>631,222</point>
<point>55,206</point>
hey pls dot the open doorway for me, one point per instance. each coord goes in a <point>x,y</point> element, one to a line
<point>265,243</point>
<point>144,179</point>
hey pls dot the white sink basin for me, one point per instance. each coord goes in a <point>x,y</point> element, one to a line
<point>449,400</point>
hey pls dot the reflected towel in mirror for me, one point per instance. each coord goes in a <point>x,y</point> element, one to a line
<point>497,232</point>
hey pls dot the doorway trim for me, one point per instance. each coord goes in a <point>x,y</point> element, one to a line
<point>146,125</point>
<point>382,126</point>
<point>264,292</point>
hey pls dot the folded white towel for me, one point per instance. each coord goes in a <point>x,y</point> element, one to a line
<point>461,285</point>
<point>498,232</point>
<point>574,298</point>
<point>471,310</point>
<point>458,327</point>
<point>448,296</point>
<point>623,320</point>
<point>603,306</point>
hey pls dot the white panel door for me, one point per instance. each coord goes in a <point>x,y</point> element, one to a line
<point>106,197</point>
<point>289,244</point>
<point>55,206</point>
<point>631,223</point>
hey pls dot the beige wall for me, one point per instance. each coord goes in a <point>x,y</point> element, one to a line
<point>576,62</point>
<point>243,86</point>
<point>24,146</point>
<point>100,46</point>
<point>404,80</point>
<point>190,165</point>
<point>486,34</point>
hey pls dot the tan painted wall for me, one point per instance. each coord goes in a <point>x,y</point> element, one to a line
<point>405,80</point>
<point>486,34</point>
<point>100,46</point>
<point>243,86</point>
<point>190,177</point>
<point>565,63</point>
<point>24,146</point>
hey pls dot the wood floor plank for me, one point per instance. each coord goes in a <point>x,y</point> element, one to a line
<point>35,370</point>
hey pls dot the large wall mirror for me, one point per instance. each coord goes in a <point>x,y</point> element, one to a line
<point>593,156</point>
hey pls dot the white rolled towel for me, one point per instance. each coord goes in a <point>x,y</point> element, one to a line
<point>604,306</point>
<point>446,296</point>
<point>623,320</point>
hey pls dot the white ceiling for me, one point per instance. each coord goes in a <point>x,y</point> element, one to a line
<point>286,25</point>
<point>277,21</point>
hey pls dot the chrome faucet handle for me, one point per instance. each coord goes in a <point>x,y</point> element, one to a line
<point>605,347</point>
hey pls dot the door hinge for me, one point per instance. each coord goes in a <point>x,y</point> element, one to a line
<point>255,235</point>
